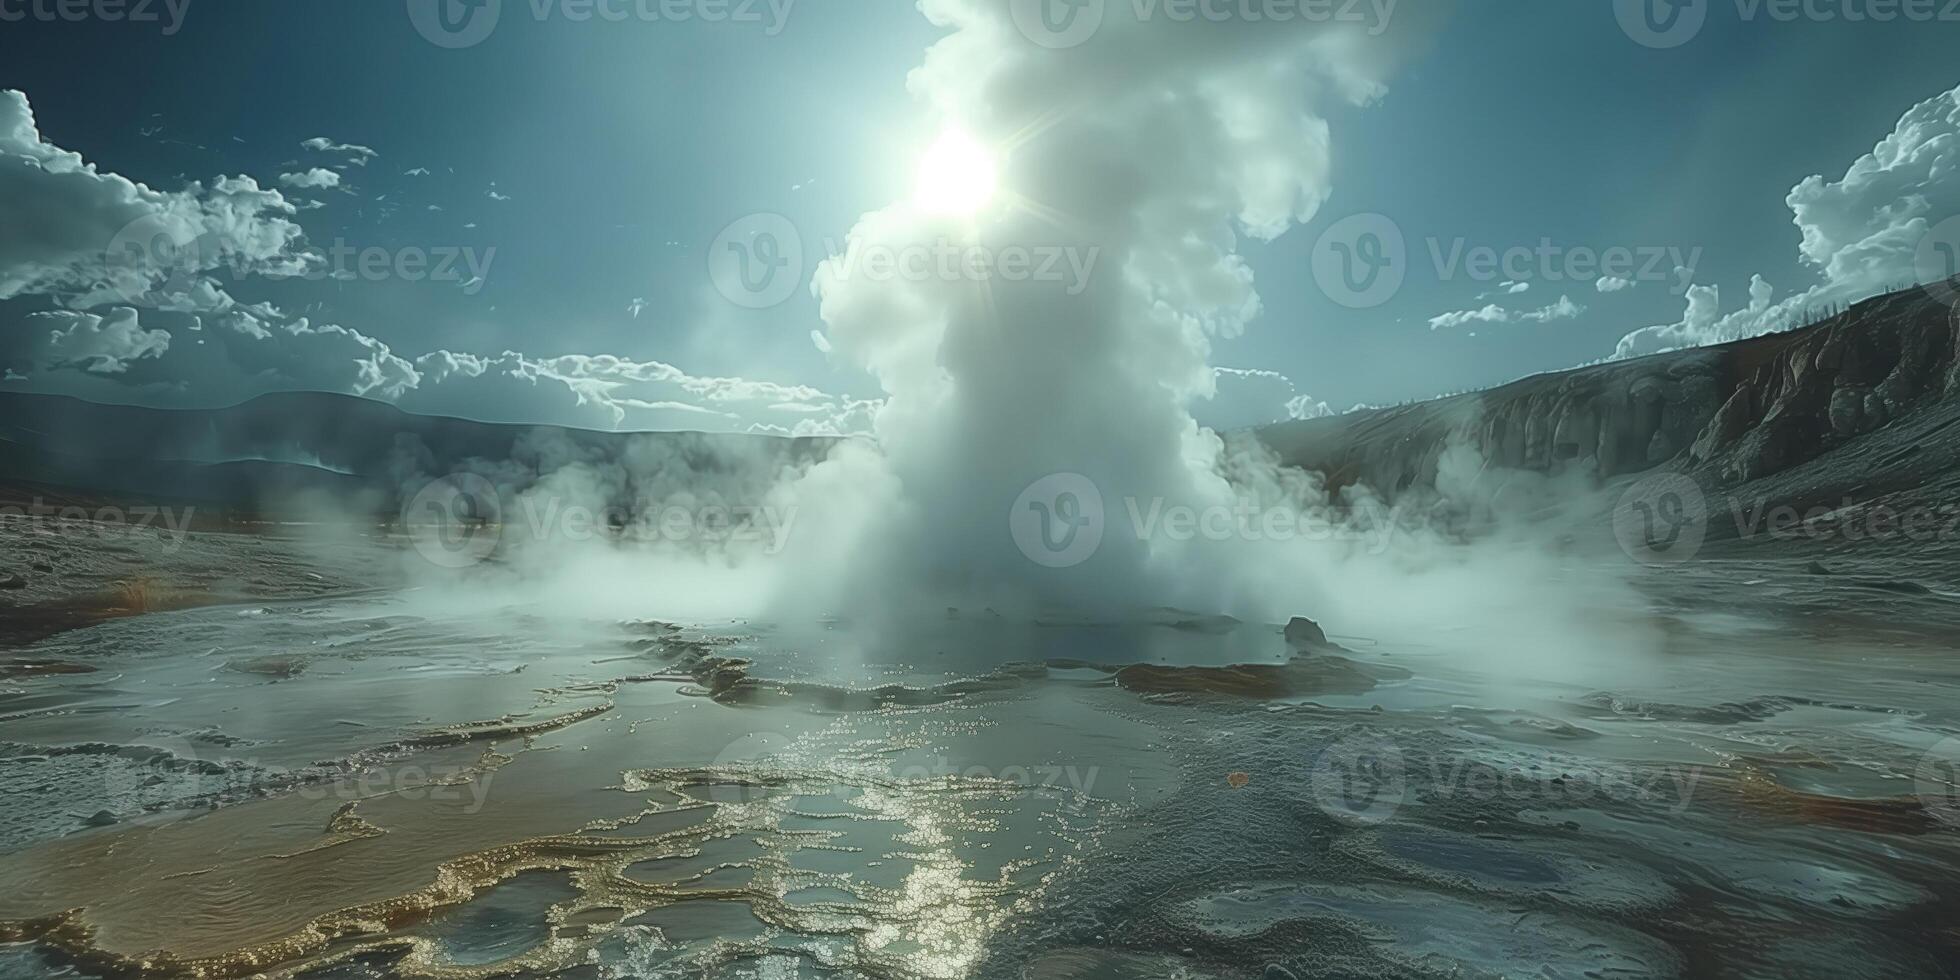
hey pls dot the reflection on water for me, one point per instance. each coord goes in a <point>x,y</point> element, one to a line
<point>368,788</point>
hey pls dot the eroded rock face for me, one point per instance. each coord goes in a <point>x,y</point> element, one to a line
<point>1801,394</point>
<point>1736,412</point>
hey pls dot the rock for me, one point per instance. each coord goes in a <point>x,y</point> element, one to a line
<point>280,668</point>
<point>1847,411</point>
<point>1730,421</point>
<point>102,818</point>
<point>1305,634</point>
<point>12,582</point>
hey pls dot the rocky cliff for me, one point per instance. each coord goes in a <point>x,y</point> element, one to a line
<point>1730,415</point>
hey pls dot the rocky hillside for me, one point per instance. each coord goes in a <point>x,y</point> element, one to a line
<point>1730,415</point>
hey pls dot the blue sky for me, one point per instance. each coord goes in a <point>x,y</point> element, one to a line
<point>583,169</point>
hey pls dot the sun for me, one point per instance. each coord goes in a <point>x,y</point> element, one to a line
<point>957,176</point>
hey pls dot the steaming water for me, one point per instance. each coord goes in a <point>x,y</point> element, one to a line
<point>365,787</point>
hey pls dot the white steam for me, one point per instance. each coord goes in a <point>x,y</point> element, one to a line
<point>1152,148</point>
<point>1145,154</point>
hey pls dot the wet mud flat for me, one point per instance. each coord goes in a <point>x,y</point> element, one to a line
<point>390,786</point>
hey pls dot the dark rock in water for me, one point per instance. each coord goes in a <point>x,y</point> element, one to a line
<point>279,668</point>
<point>1817,568</point>
<point>12,582</point>
<point>1305,634</point>
<point>102,818</point>
<point>1301,677</point>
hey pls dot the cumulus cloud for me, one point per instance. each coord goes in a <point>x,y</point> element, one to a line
<point>1612,284</point>
<point>1564,309</point>
<point>314,179</point>
<point>88,238</point>
<point>130,264</point>
<point>97,344</point>
<point>1871,230</point>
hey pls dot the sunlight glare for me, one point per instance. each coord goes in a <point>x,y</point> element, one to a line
<point>957,176</point>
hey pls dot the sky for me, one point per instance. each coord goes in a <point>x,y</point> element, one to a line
<point>613,213</point>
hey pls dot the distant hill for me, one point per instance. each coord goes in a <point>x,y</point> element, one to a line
<point>281,446</point>
<point>1858,403</point>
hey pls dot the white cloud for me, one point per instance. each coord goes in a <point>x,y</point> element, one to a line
<point>97,344</point>
<point>1564,309</point>
<point>88,238</point>
<point>314,179</point>
<point>1612,284</point>
<point>355,154</point>
<point>1244,397</point>
<point>1863,234</point>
